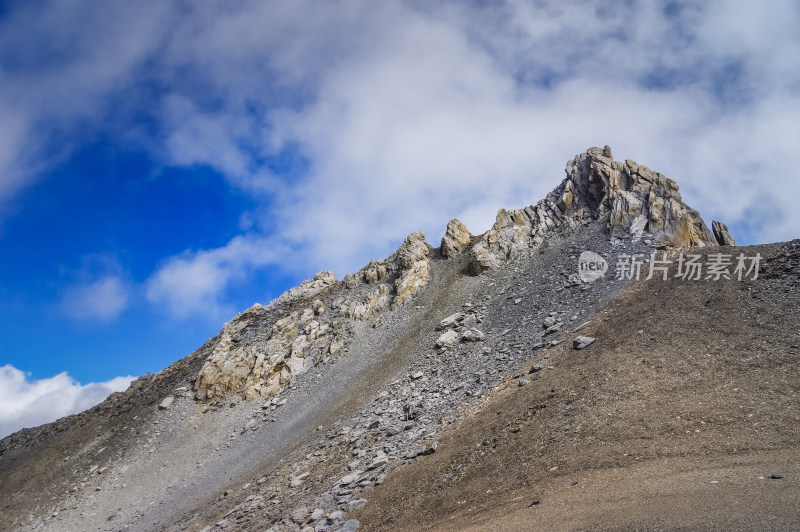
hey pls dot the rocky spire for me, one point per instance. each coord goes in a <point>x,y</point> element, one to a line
<point>722,235</point>
<point>455,239</point>
<point>628,197</point>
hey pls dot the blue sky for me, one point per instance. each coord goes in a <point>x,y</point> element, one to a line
<point>165,165</point>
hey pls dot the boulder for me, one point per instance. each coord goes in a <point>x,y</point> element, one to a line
<point>455,239</point>
<point>167,402</point>
<point>473,335</point>
<point>582,342</point>
<point>447,339</point>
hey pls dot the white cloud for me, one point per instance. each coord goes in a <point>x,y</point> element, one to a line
<point>61,64</point>
<point>103,300</point>
<point>26,403</point>
<point>195,282</point>
<point>410,113</point>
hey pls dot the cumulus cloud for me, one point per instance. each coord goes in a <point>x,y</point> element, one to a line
<point>26,403</point>
<point>408,113</point>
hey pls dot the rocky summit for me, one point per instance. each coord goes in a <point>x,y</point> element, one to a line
<point>598,360</point>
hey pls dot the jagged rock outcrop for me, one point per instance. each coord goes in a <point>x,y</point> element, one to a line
<point>724,238</point>
<point>304,331</point>
<point>374,272</point>
<point>309,288</point>
<point>258,366</point>
<point>413,259</point>
<point>630,199</point>
<point>633,200</point>
<point>455,239</point>
<point>362,309</point>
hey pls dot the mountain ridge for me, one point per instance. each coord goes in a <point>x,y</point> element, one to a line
<point>359,376</point>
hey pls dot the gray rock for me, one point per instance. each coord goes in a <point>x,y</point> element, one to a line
<point>317,514</point>
<point>523,381</point>
<point>469,321</point>
<point>298,480</point>
<point>350,525</point>
<point>724,238</point>
<point>167,402</point>
<point>451,320</point>
<point>582,342</point>
<point>447,339</point>
<point>299,515</point>
<point>335,517</point>
<point>473,335</point>
<point>553,328</point>
<point>357,504</point>
<point>348,479</point>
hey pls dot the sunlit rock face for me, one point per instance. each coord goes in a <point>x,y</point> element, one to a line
<point>629,197</point>
<point>260,351</point>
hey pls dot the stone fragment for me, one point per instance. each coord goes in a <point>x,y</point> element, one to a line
<point>447,339</point>
<point>582,342</point>
<point>335,517</point>
<point>299,515</point>
<point>351,525</point>
<point>553,328</point>
<point>536,368</point>
<point>356,504</point>
<point>167,402</point>
<point>473,335</point>
<point>451,320</point>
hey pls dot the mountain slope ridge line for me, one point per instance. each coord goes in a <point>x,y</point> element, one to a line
<point>319,396</point>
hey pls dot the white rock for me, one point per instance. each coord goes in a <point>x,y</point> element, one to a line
<point>167,402</point>
<point>447,339</point>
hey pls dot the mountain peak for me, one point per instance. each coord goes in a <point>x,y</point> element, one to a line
<point>628,197</point>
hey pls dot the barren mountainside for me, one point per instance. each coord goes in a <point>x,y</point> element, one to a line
<point>598,360</point>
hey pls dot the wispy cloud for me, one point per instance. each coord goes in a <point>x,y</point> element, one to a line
<point>97,291</point>
<point>195,283</point>
<point>26,403</point>
<point>102,300</point>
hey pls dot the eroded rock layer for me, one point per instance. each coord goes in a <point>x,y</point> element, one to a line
<point>260,351</point>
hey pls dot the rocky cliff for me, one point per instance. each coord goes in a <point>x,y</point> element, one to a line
<point>315,319</point>
<point>627,197</point>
